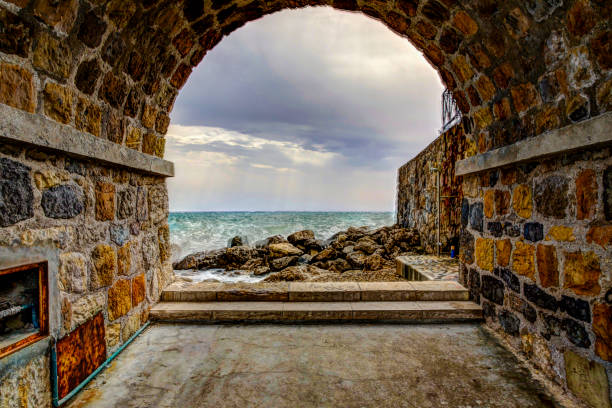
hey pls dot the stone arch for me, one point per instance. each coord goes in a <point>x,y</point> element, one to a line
<point>515,69</point>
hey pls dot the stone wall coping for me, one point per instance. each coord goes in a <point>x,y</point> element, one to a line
<point>19,126</point>
<point>587,134</point>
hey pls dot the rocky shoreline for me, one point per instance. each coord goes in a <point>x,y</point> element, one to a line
<point>357,254</point>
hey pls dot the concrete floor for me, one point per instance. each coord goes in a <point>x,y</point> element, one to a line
<point>189,366</point>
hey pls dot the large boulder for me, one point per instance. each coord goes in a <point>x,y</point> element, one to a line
<point>283,249</point>
<point>275,239</point>
<point>356,259</point>
<point>313,246</point>
<point>325,255</point>
<point>367,245</point>
<point>338,265</point>
<point>238,241</point>
<point>239,255</point>
<point>374,262</point>
<point>281,263</point>
<point>298,238</point>
<point>203,260</point>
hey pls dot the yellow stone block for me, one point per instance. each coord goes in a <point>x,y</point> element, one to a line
<point>523,260</point>
<point>489,203</point>
<point>521,201</point>
<point>504,249</point>
<point>561,233</point>
<point>587,379</point>
<point>581,273</point>
<point>49,178</point>
<point>484,253</point>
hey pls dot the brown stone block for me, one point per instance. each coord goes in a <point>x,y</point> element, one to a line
<point>180,75</point>
<point>523,260</point>
<point>52,55</point>
<point>87,76</point>
<point>504,249</point>
<point>134,138</point>
<point>509,176</point>
<point>462,68</point>
<point>582,272</point>
<point>149,114</point>
<point>602,327</point>
<point>503,74</point>
<point>522,201</point>
<point>604,96</point>
<point>580,18</point>
<point>17,88</point>
<point>502,109</point>
<point>138,289</point>
<point>58,102</point>
<point>601,235</point>
<point>483,117</point>
<point>502,202</point>
<point>485,88</point>
<point>113,90</point>
<point>484,253</point>
<point>184,41</point>
<point>119,299</point>
<point>586,194</point>
<point>149,143</point>
<point>478,56</point>
<point>489,203</point>
<point>163,235</point>
<point>88,117</point>
<point>601,47</point>
<point>104,262</point>
<point>105,201</point>
<point>561,233</point>
<point>124,259</point>
<point>425,29</point>
<point>547,266</point>
<point>517,23</point>
<point>547,119</point>
<point>162,122</point>
<point>160,147</point>
<point>524,96</point>
<point>397,22</point>
<point>464,23</point>
<point>58,14</point>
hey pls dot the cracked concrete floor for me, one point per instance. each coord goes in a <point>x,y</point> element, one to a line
<point>190,366</point>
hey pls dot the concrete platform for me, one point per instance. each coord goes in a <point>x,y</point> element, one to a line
<point>427,268</point>
<point>315,291</point>
<point>418,366</point>
<point>315,311</point>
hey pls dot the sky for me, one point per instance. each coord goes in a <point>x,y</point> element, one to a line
<point>302,110</point>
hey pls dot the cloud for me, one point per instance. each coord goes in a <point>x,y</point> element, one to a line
<point>311,97</point>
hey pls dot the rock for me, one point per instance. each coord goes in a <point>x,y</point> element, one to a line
<point>485,253</point>
<point>252,263</point>
<point>374,262</point>
<point>509,322</point>
<point>547,265</point>
<point>239,255</point>
<point>305,259</point>
<point>581,273</point>
<point>275,239</point>
<point>294,273</point>
<point>325,255</point>
<point>126,202</point>
<point>577,308</point>
<point>602,327</point>
<point>119,234</point>
<point>366,245</point>
<point>314,246</point>
<point>63,201</point>
<point>281,263</point>
<point>476,216</point>
<point>576,333</point>
<point>105,201</point>
<point>533,231</point>
<point>119,299</point>
<point>158,203</point>
<point>551,196</point>
<point>283,250</point>
<point>492,289</point>
<point>521,201</point>
<point>138,289</point>
<point>511,280</point>
<point>203,260</point>
<point>73,272</point>
<point>16,194</point>
<point>237,241</point>
<point>523,260</point>
<point>300,237</point>
<point>539,297</point>
<point>104,260</point>
<point>357,259</point>
<point>587,379</point>
<point>338,265</point>
<point>260,270</point>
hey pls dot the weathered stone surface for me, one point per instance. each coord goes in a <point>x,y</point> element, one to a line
<point>88,117</point>
<point>509,322</point>
<point>281,263</point>
<point>63,201</point>
<point>547,266</point>
<point>119,299</point>
<point>489,203</point>
<point>485,253</point>
<point>126,203</point>
<point>524,96</point>
<point>521,201</point>
<point>466,247</point>
<point>283,249</point>
<point>523,260</point>
<point>561,233</point>
<point>300,237</point>
<point>492,289</point>
<point>52,55</point>
<point>576,333</point>
<point>105,201</point>
<point>495,228</point>
<point>119,234</point>
<point>104,266</point>
<point>73,272</point>
<point>17,87</point>
<point>113,335</point>
<point>158,203</point>
<point>138,289</point>
<point>607,188</point>
<point>150,252</point>
<point>91,30</point>
<point>533,231</point>
<point>503,251</point>
<point>16,194</point>
<point>124,259</point>
<point>539,297</point>
<point>163,235</point>
<point>602,327</point>
<point>587,379</point>
<point>586,195</point>
<point>113,90</point>
<point>86,307</point>
<point>551,196</point>
<point>512,230</point>
<point>87,76</point>
<point>58,14</point>
<point>476,216</point>
<point>581,273</point>
<point>601,235</point>
<point>577,308</point>
<point>58,102</point>
<point>511,280</point>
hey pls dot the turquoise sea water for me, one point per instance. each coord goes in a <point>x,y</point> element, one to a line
<point>197,231</point>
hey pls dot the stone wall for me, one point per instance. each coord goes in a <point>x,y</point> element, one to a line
<point>536,252</point>
<point>108,227</point>
<point>416,191</point>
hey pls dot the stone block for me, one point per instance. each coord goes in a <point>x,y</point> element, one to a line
<point>466,247</point>
<point>16,193</point>
<point>587,379</point>
<point>600,47</point>
<point>119,234</point>
<point>86,307</point>
<point>158,203</point>
<point>126,203</point>
<point>87,76</point>
<point>149,141</point>
<point>138,289</point>
<point>58,102</point>
<point>576,333</point>
<point>52,55</point>
<point>601,235</point>
<point>489,203</point>
<point>502,202</point>
<point>149,115</point>
<point>495,228</point>
<point>586,194</point>
<point>607,189</point>
<point>17,87</point>
<point>105,201</point>
<point>163,235</point>
<point>525,96</point>
<point>476,216</point>
<point>547,266</point>
<point>503,251</point>
<point>88,117</point>
<point>533,231</point>
<point>539,297</point>
<point>464,23</point>
<point>130,326</point>
<point>72,272</point>
<point>59,14</point>
<point>577,308</point>
<point>509,322</point>
<point>511,280</point>
<point>119,299</point>
<point>581,273</point>
<point>113,90</point>
<point>485,253</point>
<point>142,208</point>
<point>523,260</point>
<point>104,262</point>
<point>492,289</point>
<point>16,35</point>
<point>602,327</point>
<point>561,233</point>
<point>92,30</point>
<point>521,201</point>
<point>124,259</point>
<point>134,138</point>
<point>113,335</point>
<point>63,201</point>
<point>551,196</point>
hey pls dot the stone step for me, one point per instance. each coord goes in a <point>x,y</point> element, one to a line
<point>315,292</point>
<point>412,311</point>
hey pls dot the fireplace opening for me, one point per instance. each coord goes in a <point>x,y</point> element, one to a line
<point>24,314</point>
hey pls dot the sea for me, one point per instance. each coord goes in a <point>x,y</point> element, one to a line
<point>199,231</point>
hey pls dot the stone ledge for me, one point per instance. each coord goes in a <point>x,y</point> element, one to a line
<point>24,127</point>
<point>588,134</point>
